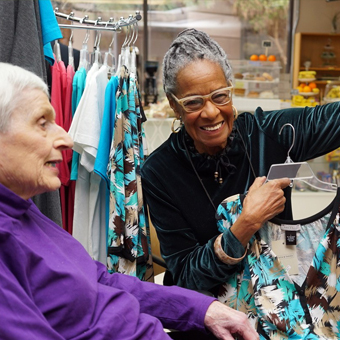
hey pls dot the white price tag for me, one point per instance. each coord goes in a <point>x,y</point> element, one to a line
<point>290,227</point>
<point>287,255</point>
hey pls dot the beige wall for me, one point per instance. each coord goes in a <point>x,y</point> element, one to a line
<point>316,16</point>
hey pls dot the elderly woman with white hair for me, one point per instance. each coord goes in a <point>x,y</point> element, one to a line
<point>50,288</point>
<point>209,203</point>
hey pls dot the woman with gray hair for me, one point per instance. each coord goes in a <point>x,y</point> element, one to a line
<point>50,288</point>
<point>206,188</point>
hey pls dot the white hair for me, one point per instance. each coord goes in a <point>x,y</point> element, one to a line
<point>189,46</point>
<point>14,80</point>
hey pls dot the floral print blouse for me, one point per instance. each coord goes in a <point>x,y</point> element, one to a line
<point>304,304</point>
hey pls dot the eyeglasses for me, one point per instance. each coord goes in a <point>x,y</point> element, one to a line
<point>219,97</point>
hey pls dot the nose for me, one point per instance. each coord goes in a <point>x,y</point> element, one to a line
<point>210,110</point>
<point>63,140</point>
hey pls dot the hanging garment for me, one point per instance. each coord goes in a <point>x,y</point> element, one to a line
<point>58,90</point>
<point>58,98</point>
<point>49,27</point>
<point>106,132</point>
<point>294,299</point>
<point>78,87</point>
<point>128,243</point>
<point>105,139</point>
<point>67,189</point>
<point>89,223</point>
<point>21,36</point>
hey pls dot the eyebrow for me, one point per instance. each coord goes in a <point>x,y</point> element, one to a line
<point>48,110</point>
<point>201,95</point>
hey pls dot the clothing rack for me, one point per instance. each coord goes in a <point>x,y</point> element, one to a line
<point>98,24</point>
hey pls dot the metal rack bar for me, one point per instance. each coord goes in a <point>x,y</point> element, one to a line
<point>98,24</point>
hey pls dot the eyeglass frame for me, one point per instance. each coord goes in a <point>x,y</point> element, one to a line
<point>205,98</point>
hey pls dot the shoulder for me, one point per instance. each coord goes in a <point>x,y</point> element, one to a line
<point>246,121</point>
<point>10,243</point>
<point>160,155</point>
<point>166,161</point>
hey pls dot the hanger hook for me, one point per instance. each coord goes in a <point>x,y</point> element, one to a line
<point>71,36</point>
<point>136,24</point>
<point>69,17</point>
<point>99,34</point>
<point>126,36</point>
<point>132,35</point>
<point>111,20</point>
<point>288,124</point>
<point>132,31</point>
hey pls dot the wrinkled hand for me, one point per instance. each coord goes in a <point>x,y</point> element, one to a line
<point>226,323</point>
<point>263,202</point>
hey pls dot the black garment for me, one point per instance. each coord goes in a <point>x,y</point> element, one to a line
<point>181,211</point>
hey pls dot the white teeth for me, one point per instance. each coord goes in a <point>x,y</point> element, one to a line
<point>212,128</point>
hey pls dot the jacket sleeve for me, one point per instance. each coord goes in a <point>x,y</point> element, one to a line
<point>317,129</point>
<point>20,317</point>
<point>176,307</point>
<point>193,265</point>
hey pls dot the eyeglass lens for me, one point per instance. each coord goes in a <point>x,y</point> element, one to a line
<point>196,103</point>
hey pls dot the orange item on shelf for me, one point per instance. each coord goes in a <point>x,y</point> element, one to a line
<point>307,89</point>
<point>271,58</point>
<point>263,57</point>
<point>254,57</point>
<point>312,85</point>
<point>333,156</point>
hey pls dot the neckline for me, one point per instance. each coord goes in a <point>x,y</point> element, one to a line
<point>13,205</point>
<point>332,207</point>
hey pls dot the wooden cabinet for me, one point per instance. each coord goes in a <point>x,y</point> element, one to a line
<point>322,50</point>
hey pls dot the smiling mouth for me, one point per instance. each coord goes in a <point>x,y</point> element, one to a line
<point>212,128</point>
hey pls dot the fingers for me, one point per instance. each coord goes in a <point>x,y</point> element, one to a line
<point>225,323</point>
<point>265,200</point>
<point>282,182</point>
<point>257,183</point>
<point>247,334</point>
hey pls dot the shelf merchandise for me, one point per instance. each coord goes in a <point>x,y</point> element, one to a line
<point>332,92</point>
<point>256,79</point>
<point>321,51</point>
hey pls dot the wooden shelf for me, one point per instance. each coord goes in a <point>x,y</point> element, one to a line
<point>309,47</point>
<point>323,68</point>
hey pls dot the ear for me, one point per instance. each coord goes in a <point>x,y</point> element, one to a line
<point>173,105</point>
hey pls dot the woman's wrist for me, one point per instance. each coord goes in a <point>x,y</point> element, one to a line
<point>244,229</point>
<point>222,255</point>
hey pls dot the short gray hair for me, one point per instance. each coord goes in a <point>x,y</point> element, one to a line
<point>191,45</point>
<point>14,80</point>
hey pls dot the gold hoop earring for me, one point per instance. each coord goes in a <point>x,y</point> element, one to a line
<point>173,129</point>
<point>235,112</point>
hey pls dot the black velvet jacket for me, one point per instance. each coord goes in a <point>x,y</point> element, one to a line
<point>180,209</point>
